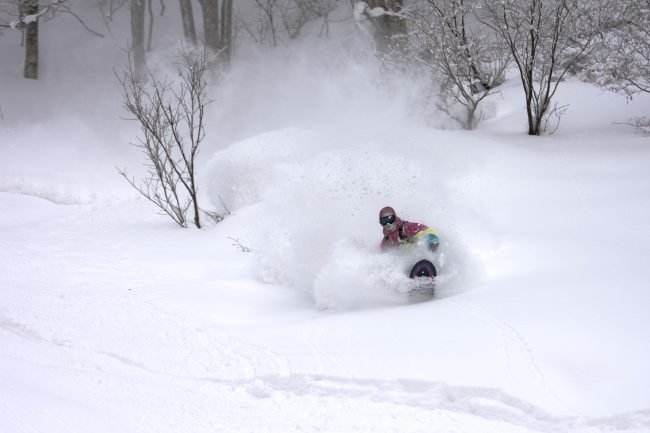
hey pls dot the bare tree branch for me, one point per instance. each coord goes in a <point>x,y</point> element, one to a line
<point>171,115</point>
<point>467,62</point>
<point>546,38</point>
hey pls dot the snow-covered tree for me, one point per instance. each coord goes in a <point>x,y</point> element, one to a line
<point>546,39</point>
<point>621,60</point>
<point>388,23</point>
<point>466,58</point>
<point>29,17</point>
<point>25,16</point>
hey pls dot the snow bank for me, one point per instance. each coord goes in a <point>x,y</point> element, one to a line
<point>73,166</point>
<point>317,229</point>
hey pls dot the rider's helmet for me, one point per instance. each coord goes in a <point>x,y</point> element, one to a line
<point>387,218</point>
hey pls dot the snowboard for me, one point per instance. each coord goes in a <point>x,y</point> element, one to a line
<point>423,273</point>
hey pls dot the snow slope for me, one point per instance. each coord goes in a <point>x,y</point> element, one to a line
<point>114,320</point>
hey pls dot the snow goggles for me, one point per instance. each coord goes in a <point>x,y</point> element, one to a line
<point>388,219</point>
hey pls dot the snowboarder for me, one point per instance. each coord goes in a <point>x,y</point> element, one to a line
<point>401,233</point>
<point>398,233</point>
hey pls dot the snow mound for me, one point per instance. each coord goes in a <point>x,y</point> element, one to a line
<point>74,165</point>
<point>316,228</point>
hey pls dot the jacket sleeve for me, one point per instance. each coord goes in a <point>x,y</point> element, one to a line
<point>424,233</point>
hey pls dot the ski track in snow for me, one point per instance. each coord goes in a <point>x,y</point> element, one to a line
<point>561,164</point>
<point>510,334</point>
<point>302,402</point>
<point>138,331</point>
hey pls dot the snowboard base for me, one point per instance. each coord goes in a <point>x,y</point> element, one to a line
<point>423,268</point>
<point>423,273</point>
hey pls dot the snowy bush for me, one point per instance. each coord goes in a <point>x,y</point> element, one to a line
<point>464,56</point>
<point>387,25</point>
<point>621,61</point>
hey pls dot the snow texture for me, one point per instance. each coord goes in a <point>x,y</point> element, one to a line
<point>112,319</point>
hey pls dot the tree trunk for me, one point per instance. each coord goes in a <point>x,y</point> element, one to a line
<point>211,34</point>
<point>30,8</point>
<point>187,16</point>
<point>137,36</point>
<point>389,29</point>
<point>226,30</point>
<point>217,27</point>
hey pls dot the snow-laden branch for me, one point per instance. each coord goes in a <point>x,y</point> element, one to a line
<point>362,9</point>
<point>46,11</point>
